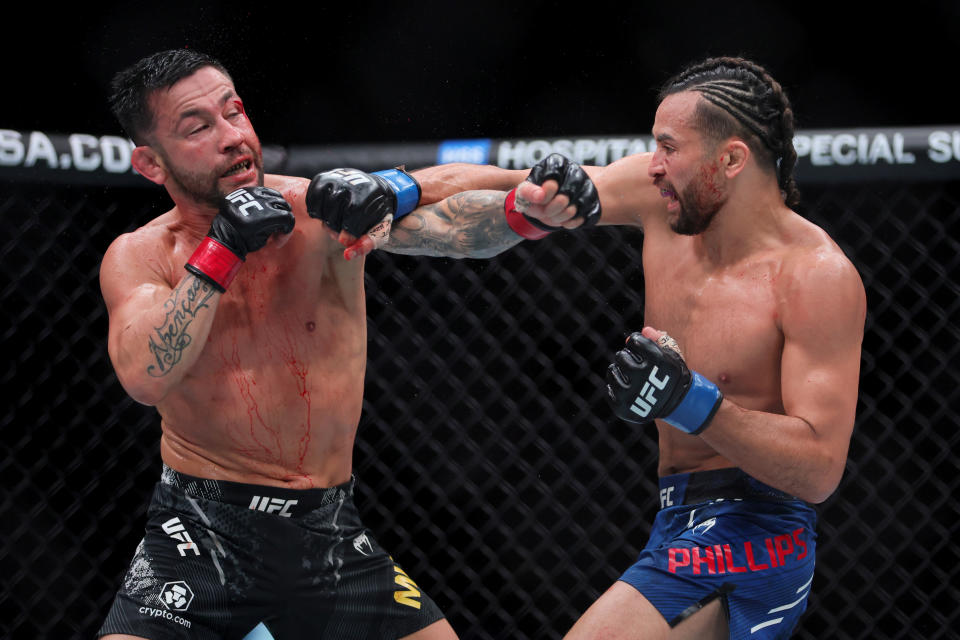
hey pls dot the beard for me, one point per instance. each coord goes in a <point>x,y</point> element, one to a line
<point>698,206</point>
<point>205,188</point>
<point>201,188</point>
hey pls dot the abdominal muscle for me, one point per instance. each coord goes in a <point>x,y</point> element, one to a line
<point>275,397</point>
<point>290,425</point>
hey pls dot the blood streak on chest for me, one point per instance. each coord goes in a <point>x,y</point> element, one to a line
<point>300,370</point>
<point>265,438</point>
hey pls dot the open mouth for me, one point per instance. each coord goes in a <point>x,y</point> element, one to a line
<point>240,167</point>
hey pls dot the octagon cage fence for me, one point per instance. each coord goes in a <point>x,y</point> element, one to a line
<point>488,460</point>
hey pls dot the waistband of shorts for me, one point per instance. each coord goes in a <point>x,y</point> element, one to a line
<point>258,497</point>
<point>719,484</point>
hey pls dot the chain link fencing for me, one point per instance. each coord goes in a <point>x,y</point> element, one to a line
<point>488,460</point>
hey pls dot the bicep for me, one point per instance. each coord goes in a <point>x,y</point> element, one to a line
<point>129,288</point>
<point>443,181</point>
<point>823,321</point>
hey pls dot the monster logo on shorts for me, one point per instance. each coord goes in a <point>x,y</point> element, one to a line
<point>362,542</point>
<point>176,595</point>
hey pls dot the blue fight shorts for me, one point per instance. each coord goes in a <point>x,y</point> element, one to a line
<point>723,532</point>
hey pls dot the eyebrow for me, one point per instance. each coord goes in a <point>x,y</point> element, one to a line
<point>664,137</point>
<point>227,95</point>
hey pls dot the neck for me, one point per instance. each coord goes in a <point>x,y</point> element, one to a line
<point>194,216</point>
<point>748,222</point>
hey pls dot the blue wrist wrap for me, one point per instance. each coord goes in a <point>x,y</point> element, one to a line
<point>694,412</point>
<point>406,188</point>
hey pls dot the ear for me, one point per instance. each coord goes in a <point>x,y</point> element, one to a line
<point>149,164</point>
<point>735,157</point>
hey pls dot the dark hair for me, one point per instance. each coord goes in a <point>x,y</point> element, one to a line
<point>129,100</point>
<point>742,99</point>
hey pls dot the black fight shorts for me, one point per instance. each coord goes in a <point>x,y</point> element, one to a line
<point>221,559</point>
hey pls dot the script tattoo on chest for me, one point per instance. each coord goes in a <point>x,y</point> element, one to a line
<point>172,337</point>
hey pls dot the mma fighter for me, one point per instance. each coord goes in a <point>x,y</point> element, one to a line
<point>238,317</point>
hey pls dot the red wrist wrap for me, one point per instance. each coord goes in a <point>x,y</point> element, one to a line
<point>518,222</point>
<point>216,262</point>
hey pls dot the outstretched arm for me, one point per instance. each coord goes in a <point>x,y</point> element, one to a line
<point>481,224</point>
<point>368,211</point>
<point>445,180</point>
<point>466,225</point>
<point>627,194</point>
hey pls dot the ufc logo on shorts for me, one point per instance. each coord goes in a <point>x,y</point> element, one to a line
<point>353,176</point>
<point>175,529</point>
<point>243,198</point>
<point>666,497</point>
<point>646,401</point>
<point>273,505</point>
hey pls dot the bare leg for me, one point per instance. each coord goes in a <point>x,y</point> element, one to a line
<point>439,630</point>
<point>622,613</point>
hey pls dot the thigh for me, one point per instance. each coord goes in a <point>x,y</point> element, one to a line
<point>185,579</point>
<point>622,613</point>
<point>350,587</point>
<point>761,556</point>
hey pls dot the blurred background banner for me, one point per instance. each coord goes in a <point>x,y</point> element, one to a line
<point>824,156</point>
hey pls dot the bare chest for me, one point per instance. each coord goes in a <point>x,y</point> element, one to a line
<point>726,323</point>
<point>289,308</point>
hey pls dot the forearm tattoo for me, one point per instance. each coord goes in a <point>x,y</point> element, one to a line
<point>172,337</point>
<point>468,225</point>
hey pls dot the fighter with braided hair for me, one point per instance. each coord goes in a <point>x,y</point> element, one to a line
<point>754,390</point>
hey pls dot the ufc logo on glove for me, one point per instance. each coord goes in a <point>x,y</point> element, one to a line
<point>353,176</point>
<point>644,403</point>
<point>243,199</point>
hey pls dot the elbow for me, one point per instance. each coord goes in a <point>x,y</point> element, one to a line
<point>146,391</point>
<point>817,495</point>
<point>138,380</point>
<point>145,395</point>
<point>823,484</point>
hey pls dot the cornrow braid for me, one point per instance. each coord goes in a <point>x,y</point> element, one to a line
<point>761,112</point>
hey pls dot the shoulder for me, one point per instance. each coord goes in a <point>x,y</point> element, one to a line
<point>292,188</point>
<point>142,242</point>
<point>815,256</point>
<point>819,280</point>
<point>139,256</point>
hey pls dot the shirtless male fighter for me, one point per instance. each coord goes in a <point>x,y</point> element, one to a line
<point>238,317</point>
<point>754,384</point>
